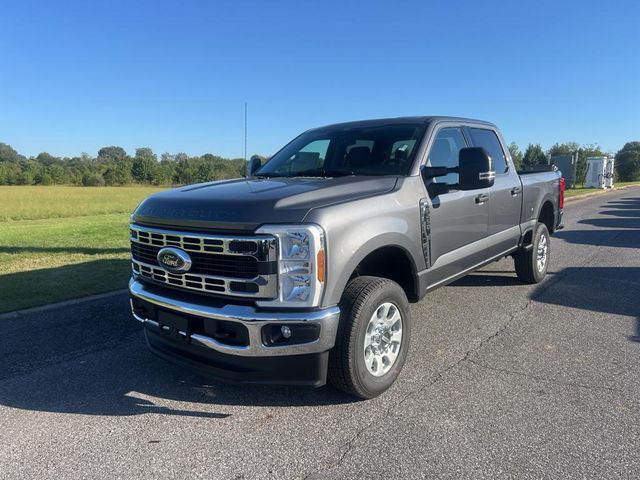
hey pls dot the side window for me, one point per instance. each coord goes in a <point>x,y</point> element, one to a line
<point>487,139</point>
<point>444,152</point>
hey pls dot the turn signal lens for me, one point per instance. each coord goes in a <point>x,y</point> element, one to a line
<point>320,265</point>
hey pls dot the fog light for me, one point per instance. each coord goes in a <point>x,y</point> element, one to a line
<point>286,331</point>
<point>279,334</point>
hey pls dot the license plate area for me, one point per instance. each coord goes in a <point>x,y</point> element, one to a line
<point>171,325</point>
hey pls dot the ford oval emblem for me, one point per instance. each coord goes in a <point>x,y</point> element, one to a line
<point>174,260</point>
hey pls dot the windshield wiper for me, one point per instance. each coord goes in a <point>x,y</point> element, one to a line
<point>316,172</point>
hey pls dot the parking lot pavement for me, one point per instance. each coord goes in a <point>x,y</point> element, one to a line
<point>502,380</point>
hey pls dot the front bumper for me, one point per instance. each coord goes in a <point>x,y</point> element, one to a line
<point>205,336</point>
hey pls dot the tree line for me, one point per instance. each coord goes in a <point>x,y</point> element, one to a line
<point>114,166</point>
<point>627,160</point>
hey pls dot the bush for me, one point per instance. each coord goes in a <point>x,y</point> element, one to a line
<point>627,163</point>
<point>46,179</point>
<point>92,180</point>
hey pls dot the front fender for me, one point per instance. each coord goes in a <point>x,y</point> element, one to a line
<point>338,283</point>
<point>355,229</point>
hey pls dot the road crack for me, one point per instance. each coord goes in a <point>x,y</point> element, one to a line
<point>543,378</point>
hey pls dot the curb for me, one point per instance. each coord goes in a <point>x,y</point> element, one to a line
<point>595,194</point>
<point>65,303</point>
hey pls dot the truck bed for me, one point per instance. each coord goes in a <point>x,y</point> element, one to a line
<point>539,187</point>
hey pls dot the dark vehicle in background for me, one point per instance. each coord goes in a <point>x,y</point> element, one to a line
<point>303,272</point>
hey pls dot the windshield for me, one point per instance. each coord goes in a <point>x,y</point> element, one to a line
<point>333,152</point>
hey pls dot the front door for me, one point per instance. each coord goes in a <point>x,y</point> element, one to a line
<point>457,220</point>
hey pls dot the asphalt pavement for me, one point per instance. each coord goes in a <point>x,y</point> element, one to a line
<point>503,380</point>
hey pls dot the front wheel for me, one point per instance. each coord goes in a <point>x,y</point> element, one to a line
<point>531,265</point>
<point>373,337</point>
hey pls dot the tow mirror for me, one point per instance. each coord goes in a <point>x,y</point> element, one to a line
<point>252,166</point>
<point>475,169</point>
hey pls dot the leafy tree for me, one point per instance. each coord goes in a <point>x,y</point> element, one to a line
<point>57,173</point>
<point>46,159</point>
<point>514,151</point>
<point>115,165</point>
<point>25,178</point>
<point>112,153</point>
<point>8,154</point>
<point>144,165</point>
<point>567,148</point>
<point>186,168</point>
<point>534,155</point>
<point>31,172</point>
<point>628,162</point>
<point>9,173</point>
<point>166,171</point>
<point>118,172</point>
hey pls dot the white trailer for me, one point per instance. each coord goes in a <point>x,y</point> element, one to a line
<point>599,172</point>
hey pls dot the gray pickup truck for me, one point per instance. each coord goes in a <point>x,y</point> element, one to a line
<point>302,273</point>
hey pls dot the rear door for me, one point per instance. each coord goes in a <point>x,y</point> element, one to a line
<point>506,193</point>
<point>458,220</point>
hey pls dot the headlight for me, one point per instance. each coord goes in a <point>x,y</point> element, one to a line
<point>301,264</point>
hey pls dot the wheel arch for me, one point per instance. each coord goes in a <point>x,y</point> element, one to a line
<point>386,256</point>
<point>546,215</point>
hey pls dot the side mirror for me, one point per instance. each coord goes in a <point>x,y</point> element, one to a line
<point>475,169</point>
<point>253,165</point>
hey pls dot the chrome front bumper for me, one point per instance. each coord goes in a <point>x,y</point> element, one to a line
<point>254,320</point>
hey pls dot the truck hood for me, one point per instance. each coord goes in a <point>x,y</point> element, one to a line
<point>244,204</point>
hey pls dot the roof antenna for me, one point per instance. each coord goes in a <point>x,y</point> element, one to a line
<point>245,132</point>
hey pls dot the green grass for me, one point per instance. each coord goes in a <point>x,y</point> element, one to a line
<point>58,243</point>
<point>32,203</point>
<point>579,191</point>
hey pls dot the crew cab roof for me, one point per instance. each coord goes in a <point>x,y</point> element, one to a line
<point>400,121</point>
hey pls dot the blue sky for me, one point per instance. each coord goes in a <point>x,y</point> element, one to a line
<point>174,76</point>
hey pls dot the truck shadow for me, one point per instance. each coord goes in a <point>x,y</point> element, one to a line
<point>619,226</point>
<point>483,278</point>
<point>53,284</point>
<point>607,290</point>
<point>91,359</point>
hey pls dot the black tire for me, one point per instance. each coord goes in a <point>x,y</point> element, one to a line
<point>526,261</point>
<point>362,297</point>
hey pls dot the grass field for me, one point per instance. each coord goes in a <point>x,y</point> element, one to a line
<point>58,243</point>
<point>579,191</point>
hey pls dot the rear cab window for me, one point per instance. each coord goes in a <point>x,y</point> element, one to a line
<point>487,139</point>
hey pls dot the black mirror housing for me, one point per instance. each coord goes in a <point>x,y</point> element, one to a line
<point>432,172</point>
<point>475,169</point>
<point>252,166</point>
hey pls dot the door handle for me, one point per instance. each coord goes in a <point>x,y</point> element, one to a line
<point>515,191</point>
<point>483,197</point>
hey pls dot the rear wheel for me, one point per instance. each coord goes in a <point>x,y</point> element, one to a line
<point>373,337</point>
<point>531,265</point>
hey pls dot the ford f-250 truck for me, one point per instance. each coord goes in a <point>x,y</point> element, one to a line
<point>303,271</point>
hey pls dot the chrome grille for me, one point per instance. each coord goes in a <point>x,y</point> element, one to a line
<point>227,265</point>
<point>233,266</point>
